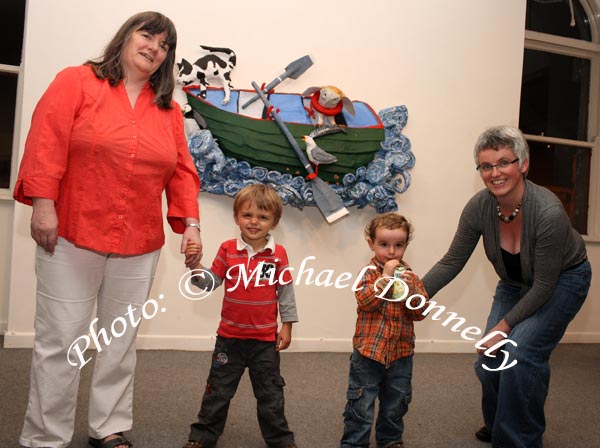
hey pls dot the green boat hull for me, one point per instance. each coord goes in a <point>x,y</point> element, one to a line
<point>260,142</point>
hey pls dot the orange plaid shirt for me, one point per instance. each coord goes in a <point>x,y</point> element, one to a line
<point>384,330</point>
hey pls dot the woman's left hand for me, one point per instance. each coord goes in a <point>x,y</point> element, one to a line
<point>501,326</point>
<point>191,235</point>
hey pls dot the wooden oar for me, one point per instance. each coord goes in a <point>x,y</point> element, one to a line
<point>293,71</point>
<point>328,202</point>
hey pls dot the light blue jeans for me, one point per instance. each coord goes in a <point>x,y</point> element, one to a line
<point>513,399</point>
<point>369,380</point>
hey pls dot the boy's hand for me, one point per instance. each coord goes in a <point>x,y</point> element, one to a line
<point>390,267</point>
<point>193,255</point>
<point>410,278</point>
<point>284,337</point>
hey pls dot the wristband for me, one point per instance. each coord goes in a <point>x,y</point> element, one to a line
<point>194,224</point>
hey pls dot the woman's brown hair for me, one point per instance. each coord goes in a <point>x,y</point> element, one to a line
<point>109,64</point>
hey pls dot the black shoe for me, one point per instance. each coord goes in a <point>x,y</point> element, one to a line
<point>484,434</point>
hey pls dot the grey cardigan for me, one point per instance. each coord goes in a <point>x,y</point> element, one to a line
<point>549,246</point>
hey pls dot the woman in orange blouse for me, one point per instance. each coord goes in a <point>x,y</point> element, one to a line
<point>106,140</point>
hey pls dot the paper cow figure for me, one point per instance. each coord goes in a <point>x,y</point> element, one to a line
<point>216,64</point>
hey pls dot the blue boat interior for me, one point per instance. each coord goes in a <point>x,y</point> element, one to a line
<point>291,107</point>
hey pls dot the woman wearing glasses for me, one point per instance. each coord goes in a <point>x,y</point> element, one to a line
<point>544,279</point>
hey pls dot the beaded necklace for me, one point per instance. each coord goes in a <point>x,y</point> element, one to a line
<point>512,216</point>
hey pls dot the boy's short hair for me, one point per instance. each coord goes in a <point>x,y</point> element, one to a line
<point>264,196</point>
<point>389,221</point>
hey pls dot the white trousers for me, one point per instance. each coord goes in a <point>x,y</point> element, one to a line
<point>70,283</point>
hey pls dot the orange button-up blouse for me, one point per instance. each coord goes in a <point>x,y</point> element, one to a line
<point>106,164</point>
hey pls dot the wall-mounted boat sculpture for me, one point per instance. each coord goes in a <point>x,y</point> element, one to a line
<point>373,155</point>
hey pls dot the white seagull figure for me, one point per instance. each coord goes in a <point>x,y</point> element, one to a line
<point>317,155</point>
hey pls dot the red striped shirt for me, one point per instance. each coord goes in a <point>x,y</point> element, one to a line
<point>250,290</point>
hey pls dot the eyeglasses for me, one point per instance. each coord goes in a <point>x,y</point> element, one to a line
<point>502,165</point>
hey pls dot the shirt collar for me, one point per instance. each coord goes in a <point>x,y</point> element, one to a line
<point>377,263</point>
<point>242,245</point>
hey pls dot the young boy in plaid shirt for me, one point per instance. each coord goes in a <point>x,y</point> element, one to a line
<point>384,340</point>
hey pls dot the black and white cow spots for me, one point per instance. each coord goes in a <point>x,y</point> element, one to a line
<point>216,64</point>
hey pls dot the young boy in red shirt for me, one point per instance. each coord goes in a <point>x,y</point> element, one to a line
<point>257,286</point>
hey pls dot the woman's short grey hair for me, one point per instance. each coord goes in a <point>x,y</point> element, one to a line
<point>499,137</point>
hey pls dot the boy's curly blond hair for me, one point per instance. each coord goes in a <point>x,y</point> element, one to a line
<point>389,221</point>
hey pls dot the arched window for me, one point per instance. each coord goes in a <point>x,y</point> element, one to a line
<point>560,104</point>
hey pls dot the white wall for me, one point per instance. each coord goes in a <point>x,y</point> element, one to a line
<point>455,65</point>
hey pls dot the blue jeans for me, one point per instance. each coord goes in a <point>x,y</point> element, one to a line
<point>513,399</point>
<point>368,380</point>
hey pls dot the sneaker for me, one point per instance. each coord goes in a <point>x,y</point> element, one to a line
<point>484,434</point>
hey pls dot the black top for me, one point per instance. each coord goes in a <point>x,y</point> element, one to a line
<point>512,263</point>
